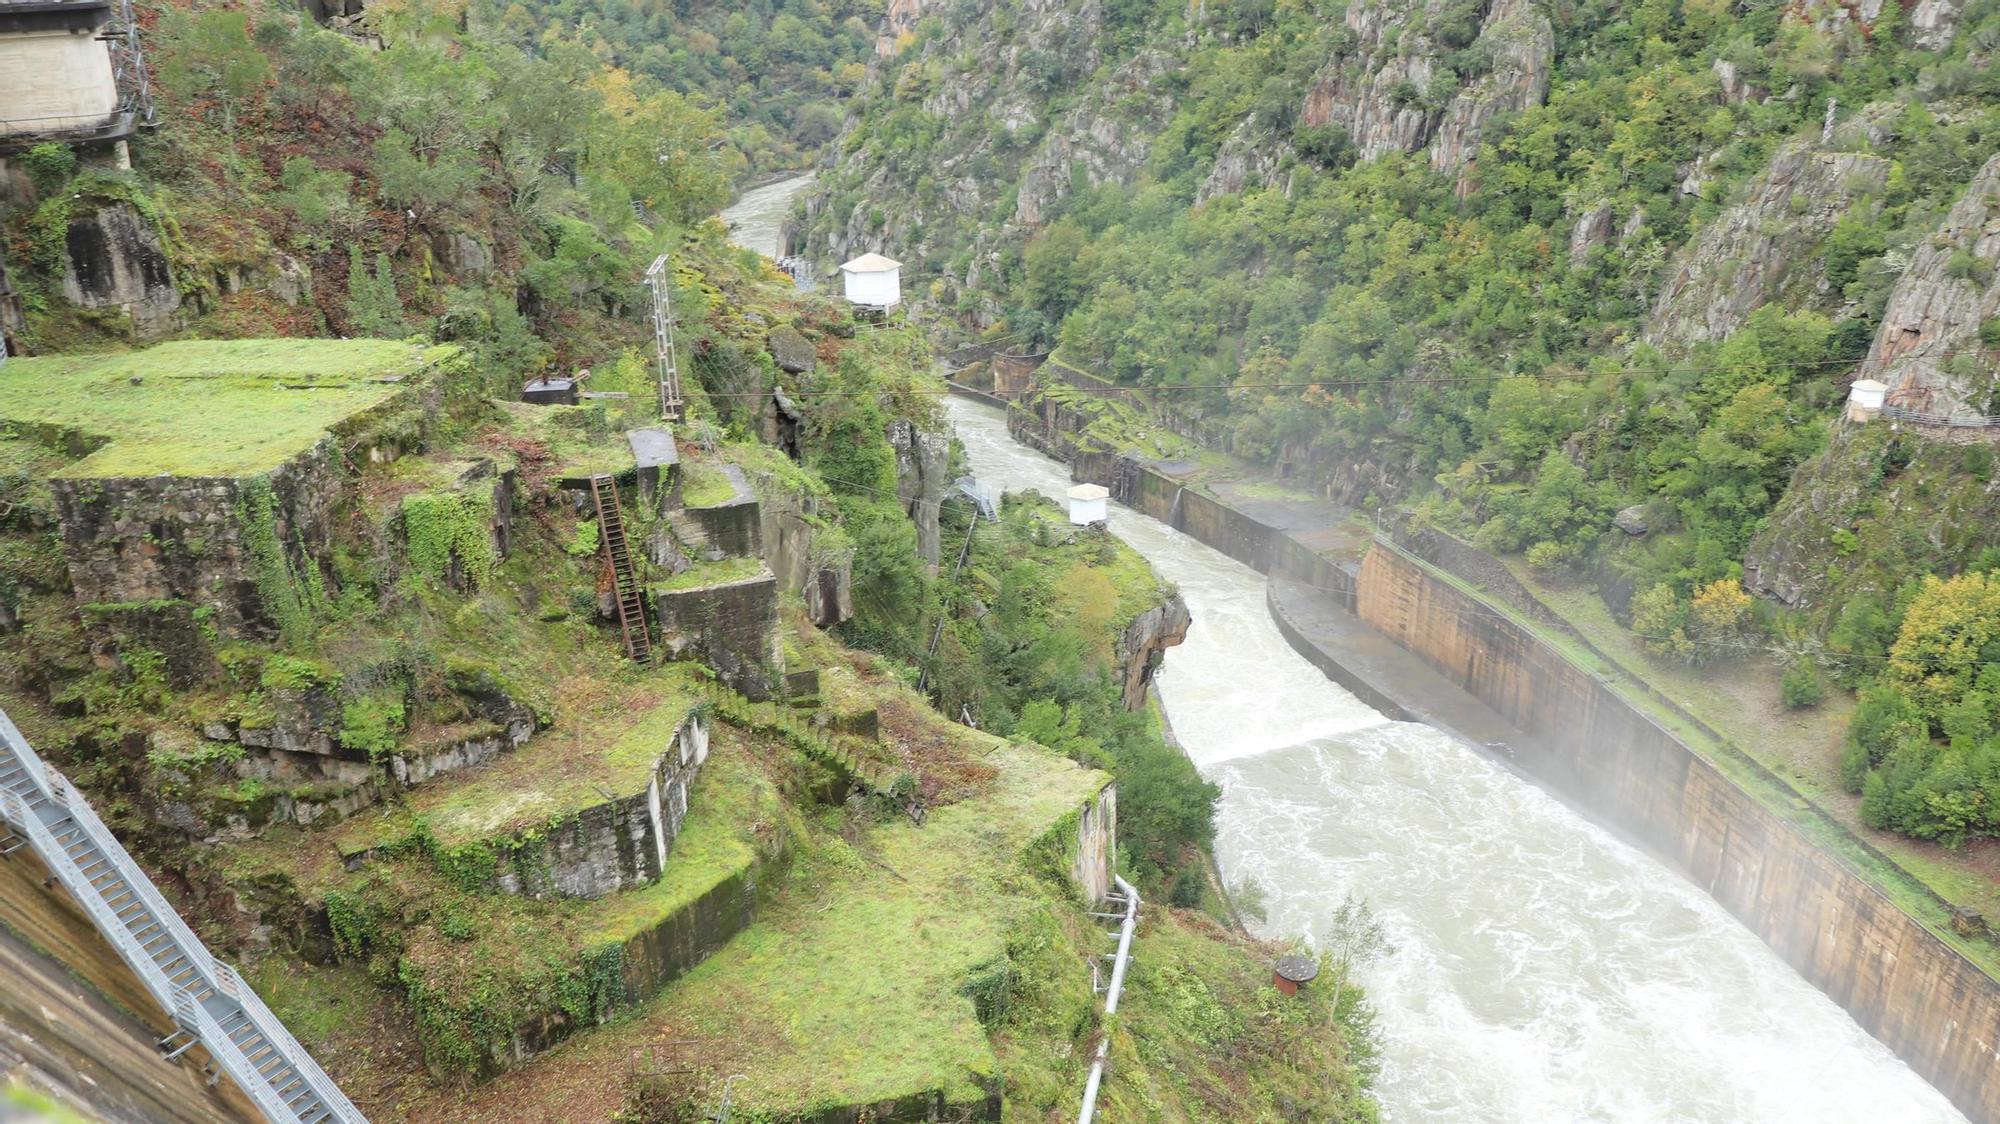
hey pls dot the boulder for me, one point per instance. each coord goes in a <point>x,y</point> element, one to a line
<point>1632,520</point>
<point>792,351</point>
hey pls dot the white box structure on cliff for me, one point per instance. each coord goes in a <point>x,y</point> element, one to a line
<point>1089,503</point>
<point>873,281</point>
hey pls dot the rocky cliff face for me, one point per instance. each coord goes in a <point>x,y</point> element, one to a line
<point>1394,89</point>
<point>923,459</point>
<point>1928,349</point>
<point>1001,157</point>
<point>113,259</point>
<point>1764,247</point>
<point>1144,644</point>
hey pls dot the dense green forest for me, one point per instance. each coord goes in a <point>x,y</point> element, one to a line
<point>778,70</point>
<point>1515,268</point>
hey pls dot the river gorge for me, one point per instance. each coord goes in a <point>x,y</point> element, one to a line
<point>1541,968</point>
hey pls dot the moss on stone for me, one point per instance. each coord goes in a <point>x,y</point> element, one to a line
<point>208,408</point>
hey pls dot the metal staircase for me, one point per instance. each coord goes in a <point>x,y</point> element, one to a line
<point>209,1003</point>
<point>624,581</point>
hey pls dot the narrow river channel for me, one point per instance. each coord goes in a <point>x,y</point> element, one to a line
<point>1542,970</point>
<point>758,215</point>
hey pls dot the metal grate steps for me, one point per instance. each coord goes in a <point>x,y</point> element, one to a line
<point>204,996</point>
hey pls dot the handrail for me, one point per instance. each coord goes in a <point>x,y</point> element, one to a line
<point>35,804</point>
<point>1111,994</point>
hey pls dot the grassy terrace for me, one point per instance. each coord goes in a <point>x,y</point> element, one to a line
<point>707,574</point>
<point>1908,886</point>
<point>511,956</point>
<point>582,441</point>
<point>850,988</point>
<point>207,407</point>
<point>557,773</point>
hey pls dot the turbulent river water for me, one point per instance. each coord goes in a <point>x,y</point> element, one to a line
<point>1542,971</point>
<point>756,216</point>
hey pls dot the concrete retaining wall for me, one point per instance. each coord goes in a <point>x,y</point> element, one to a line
<point>1921,998</point>
<point>1936,1010</point>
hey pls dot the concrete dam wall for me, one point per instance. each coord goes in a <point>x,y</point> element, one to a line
<point>1938,1012</point>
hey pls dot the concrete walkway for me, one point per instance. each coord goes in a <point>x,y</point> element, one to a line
<point>1381,672</point>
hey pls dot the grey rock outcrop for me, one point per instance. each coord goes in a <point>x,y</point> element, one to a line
<point>1592,229</point>
<point>1379,91</point>
<point>1632,520</point>
<point>792,351</point>
<point>923,463</point>
<point>113,259</point>
<point>1934,312</point>
<point>1522,44</point>
<point>1144,643</point>
<point>1933,23</point>
<point>1764,246</point>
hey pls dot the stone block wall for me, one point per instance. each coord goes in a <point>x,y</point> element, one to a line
<point>789,535</point>
<point>731,530</point>
<point>732,627</point>
<point>206,540</point>
<point>620,844</point>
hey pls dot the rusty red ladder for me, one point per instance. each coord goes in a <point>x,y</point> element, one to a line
<point>624,580</point>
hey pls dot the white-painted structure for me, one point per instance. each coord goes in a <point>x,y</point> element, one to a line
<point>1089,503</point>
<point>56,71</point>
<point>873,281</point>
<point>1865,398</point>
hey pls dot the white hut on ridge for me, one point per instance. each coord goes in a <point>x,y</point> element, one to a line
<point>1087,504</point>
<point>873,281</point>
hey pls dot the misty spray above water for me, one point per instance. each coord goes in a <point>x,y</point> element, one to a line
<point>1542,971</point>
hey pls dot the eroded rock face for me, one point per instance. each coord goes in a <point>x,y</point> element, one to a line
<point>732,627</point>
<point>1933,23</point>
<point>989,81</point>
<point>1522,44</point>
<point>1593,229</point>
<point>923,461</point>
<point>1766,246</point>
<point>1379,90</point>
<point>1143,645</point>
<point>1952,285</point>
<point>113,259</point>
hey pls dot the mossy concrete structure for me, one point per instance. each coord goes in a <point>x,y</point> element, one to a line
<point>621,844</point>
<point>208,471</point>
<point>731,626</point>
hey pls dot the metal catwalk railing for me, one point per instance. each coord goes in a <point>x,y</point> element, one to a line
<point>209,1003</point>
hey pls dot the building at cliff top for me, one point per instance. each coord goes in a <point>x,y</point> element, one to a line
<point>873,281</point>
<point>69,70</point>
<point>206,472</point>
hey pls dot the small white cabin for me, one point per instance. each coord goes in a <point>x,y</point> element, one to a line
<point>1088,504</point>
<point>1865,398</point>
<point>873,281</point>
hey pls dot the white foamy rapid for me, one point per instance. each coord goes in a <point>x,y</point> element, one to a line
<point>1542,971</point>
<point>756,216</point>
